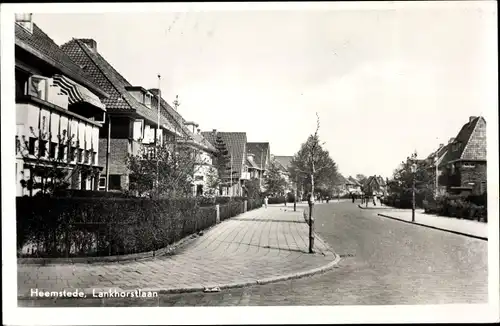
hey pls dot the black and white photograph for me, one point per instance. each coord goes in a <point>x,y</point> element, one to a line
<point>322,162</point>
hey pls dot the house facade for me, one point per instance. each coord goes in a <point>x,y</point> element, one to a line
<point>463,165</point>
<point>132,127</point>
<point>59,114</point>
<point>284,164</point>
<point>258,160</point>
<point>375,185</point>
<point>236,144</point>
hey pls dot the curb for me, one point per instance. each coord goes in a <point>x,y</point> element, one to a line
<point>88,291</point>
<point>436,228</point>
<point>111,259</point>
<point>381,207</point>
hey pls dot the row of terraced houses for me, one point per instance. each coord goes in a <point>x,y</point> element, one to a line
<point>74,107</point>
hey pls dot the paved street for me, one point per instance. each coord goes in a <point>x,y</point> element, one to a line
<point>384,262</point>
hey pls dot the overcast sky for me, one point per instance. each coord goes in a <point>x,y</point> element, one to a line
<point>384,82</point>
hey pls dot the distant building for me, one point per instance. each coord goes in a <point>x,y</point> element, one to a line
<point>284,163</point>
<point>236,143</point>
<point>258,160</point>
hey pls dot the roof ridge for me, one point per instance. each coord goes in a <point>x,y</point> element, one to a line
<point>87,53</point>
<point>83,74</point>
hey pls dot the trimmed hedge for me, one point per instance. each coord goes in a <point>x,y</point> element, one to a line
<point>470,207</point>
<point>93,226</point>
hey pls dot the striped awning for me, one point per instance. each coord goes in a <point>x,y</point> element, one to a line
<point>76,92</point>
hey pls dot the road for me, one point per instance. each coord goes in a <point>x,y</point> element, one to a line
<point>384,262</point>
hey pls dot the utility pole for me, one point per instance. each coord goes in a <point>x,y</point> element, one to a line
<point>108,152</point>
<point>158,130</point>
<point>176,106</point>
<point>295,195</point>
<point>231,176</point>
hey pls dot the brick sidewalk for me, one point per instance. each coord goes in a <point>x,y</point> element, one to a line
<point>259,246</point>
<point>468,227</point>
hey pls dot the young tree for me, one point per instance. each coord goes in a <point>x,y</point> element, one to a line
<point>312,164</point>
<point>50,172</point>
<point>274,181</point>
<point>408,171</point>
<point>163,170</point>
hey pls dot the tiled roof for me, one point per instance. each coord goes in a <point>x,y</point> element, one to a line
<point>260,152</point>
<point>284,161</point>
<point>41,45</point>
<point>476,146</point>
<point>472,137</point>
<point>354,181</point>
<point>121,100</point>
<point>235,143</point>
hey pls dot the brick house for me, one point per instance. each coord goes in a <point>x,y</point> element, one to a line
<point>133,116</point>
<point>375,185</point>
<point>464,164</point>
<point>59,112</point>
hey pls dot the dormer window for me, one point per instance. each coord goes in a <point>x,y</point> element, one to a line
<point>25,21</point>
<point>147,99</point>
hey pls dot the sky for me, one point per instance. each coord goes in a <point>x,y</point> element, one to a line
<point>384,82</point>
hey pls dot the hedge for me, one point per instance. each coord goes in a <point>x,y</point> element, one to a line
<point>76,227</point>
<point>472,207</point>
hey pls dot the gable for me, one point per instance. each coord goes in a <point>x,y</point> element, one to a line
<point>235,143</point>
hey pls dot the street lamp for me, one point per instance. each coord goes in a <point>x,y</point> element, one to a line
<point>413,171</point>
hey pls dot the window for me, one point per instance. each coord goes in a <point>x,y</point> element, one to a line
<point>43,148</point>
<point>102,183</point>
<point>31,146</point>
<point>80,155</point>
<point>468,165</point>
<point>52,150</point>
<point>198,178</point>
<point>72,154</point>
<point>61,153</point>
<point>115,182</point>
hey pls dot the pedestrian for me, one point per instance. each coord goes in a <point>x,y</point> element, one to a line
<point>353,198</point>
<point>265,201</point>
<point>374,200</point>
<point>382,200</point>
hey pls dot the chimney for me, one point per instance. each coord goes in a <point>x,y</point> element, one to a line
<point>91,43</point>
<point>472,118</point>
<point>214,132</point>
<point>199,130</point>
<point>451,140</point>
<point>441,145</point>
